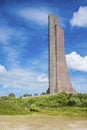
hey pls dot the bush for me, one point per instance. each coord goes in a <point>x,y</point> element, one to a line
<point>34,108</point>
<point>11,105</point>
<point>11,95</point>
<point>74,102</point>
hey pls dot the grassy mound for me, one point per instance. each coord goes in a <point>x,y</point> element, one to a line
<point>61,104</point>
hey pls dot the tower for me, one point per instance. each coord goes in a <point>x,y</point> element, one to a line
<point>58,74</point>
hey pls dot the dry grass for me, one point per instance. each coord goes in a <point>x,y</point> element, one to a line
<point>42,122</point>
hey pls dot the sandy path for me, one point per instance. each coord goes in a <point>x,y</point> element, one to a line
<point>42,122</point>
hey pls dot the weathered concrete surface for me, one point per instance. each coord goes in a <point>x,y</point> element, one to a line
<point>58,75</point>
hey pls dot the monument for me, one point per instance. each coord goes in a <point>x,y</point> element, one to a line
<point>58,75</point>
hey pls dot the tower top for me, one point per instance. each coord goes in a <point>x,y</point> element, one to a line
<point>54,18</point>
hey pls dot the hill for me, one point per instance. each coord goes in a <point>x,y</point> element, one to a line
<point>61,104</point>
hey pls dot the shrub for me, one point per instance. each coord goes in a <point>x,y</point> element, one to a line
<point>11,95</point>
<point>74,101</point>
<point>34,108</point>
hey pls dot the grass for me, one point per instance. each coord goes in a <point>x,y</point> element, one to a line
<point>61,104</point>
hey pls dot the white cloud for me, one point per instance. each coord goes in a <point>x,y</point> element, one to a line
<point>9,39</point>
<point>23,79</point>
<point>12,56</point>
<point>80,17</point>
<point>4,35</point>
<point>2,70</point>
<point>37,15</point>
<point>41,63</point>
<point>79,82</point>
<point>77,62</point>
<point>43,78</point>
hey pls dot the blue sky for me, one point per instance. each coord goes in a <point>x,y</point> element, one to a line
<point>24,44</point>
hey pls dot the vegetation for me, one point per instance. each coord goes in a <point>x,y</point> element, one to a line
<point>11,95</point>
<point>26,95</point>
<point>57,104</point>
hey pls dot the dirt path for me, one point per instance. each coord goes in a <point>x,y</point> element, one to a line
<point>42,122</point>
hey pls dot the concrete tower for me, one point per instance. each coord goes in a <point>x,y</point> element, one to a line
<point>58,74</point>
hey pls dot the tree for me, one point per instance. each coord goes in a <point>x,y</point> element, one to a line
<point>26,95</point>
<point>12,95</point>
<point>43,93</point>
<point>36,94</point>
